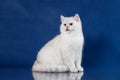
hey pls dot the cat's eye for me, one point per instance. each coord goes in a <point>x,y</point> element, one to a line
<point>64,24</point>
<point>71,24</point>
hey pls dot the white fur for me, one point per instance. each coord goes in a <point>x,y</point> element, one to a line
<point>58,76</point>
<point>64,52</point>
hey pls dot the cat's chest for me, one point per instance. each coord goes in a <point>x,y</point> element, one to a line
<point>74,42</point>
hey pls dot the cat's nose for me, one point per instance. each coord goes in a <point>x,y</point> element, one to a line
<point>67,27</point>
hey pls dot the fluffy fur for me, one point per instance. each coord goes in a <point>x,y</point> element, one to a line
<point>58,76</point>
<point>64,52</point>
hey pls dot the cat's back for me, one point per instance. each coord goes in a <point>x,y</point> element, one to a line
<point>50,51</point>
<point>55,41</point>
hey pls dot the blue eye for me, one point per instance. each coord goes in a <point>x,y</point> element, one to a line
<point>71,24</point>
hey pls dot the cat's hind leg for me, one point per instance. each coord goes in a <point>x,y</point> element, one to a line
<point>49,68</point>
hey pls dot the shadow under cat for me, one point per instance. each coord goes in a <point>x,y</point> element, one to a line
<point>57,76</point>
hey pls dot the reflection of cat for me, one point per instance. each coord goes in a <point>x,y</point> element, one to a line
<point>64,52</point>
<point>57,76</point>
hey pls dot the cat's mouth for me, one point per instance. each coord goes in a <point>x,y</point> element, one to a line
<point>67,30</point>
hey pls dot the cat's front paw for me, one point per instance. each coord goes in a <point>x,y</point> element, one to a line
<point>80,69</point>
<point>73,70</point>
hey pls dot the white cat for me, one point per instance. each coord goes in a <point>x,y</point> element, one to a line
<point>64,52</point>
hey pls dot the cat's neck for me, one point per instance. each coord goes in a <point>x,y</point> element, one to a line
<point>72,34</point>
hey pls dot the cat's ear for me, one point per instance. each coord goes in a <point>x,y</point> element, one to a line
<point>76,18</point>
<point>62,18</point>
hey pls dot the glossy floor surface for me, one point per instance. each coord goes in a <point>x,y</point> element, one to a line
<point>88,74</point>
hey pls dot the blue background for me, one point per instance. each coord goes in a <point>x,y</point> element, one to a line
<point>26,25</point>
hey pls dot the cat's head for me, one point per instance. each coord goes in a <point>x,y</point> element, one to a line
<point>70,24</point>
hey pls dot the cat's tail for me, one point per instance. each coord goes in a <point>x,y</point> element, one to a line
<point>49,68</point>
